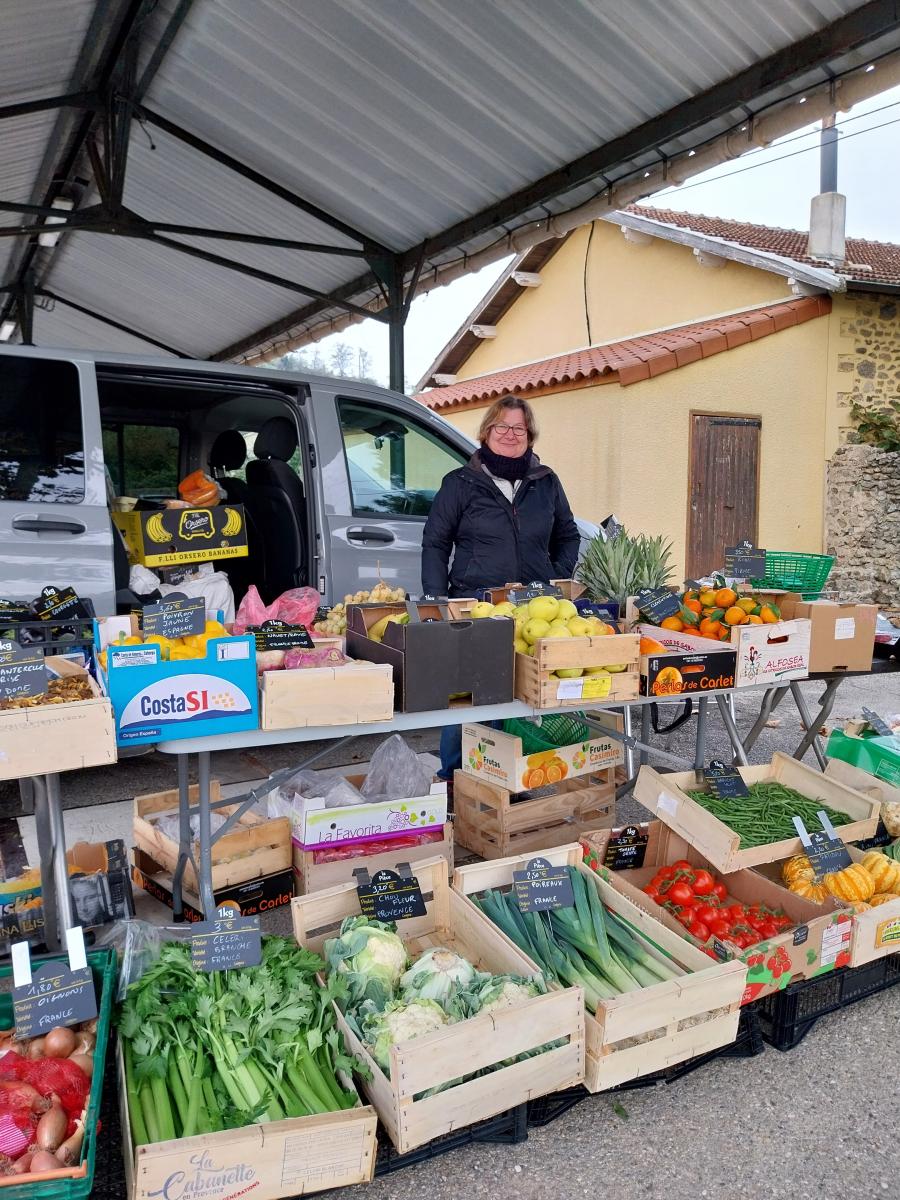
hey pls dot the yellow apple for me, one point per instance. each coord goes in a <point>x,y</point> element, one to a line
<point>579,626</point>
<point>544,607</point>
<point>614,669</point>
<point>534,629</point>
<point>598,628</point>
<point>567,609</point>
<point>504,609</point>
<point>557,631</point>
<point>521,646</point>
<point>597,670</point>
<point>481,609</point>
<point>569,672</point>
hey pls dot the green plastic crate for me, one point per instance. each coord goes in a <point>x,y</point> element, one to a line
<point>550,734</point>
<point>104,966</point>
<point>795,572</point>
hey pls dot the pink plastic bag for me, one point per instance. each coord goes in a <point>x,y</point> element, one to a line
<point>251,611</point>
<point>297,606</point>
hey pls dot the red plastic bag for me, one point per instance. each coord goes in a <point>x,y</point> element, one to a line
<point>252,611</point>
<point>298,606</point>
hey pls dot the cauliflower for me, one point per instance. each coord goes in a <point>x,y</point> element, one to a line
<point>437,974</point>
<point>506,991</point>
<point>401,1021</point>
<point>370,954</point>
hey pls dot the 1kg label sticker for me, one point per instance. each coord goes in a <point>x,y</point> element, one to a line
<point>227,942</point>
<point>542,887</point>
<point>389,895</point>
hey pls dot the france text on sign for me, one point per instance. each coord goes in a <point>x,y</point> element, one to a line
<point>389,896</point>
<point>22,671</point>
<point>279,635</point>
<point>55,995</point>
<point>725,782</point>
<point>227,942</point>
<point>541,887</point>
<point>745,561</point>
<point>658,603</point>
<point>823,847</point>
<point>175,618</point>
<point>626,849</point>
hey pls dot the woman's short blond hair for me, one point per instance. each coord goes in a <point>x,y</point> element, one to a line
<point>497,415</point>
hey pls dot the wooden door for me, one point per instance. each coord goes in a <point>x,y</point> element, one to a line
<point>723,492</point>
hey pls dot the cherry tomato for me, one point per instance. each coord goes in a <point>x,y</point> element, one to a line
<point>682,865</point>
<point>699,930</point>
<point>719,928</point>
<point>767,929</point>
<point>652,892</point>
<point>736,912</point>
<point>685,916</point>
<point>703,883</point>
<point>680,893</point>
<point>720,890</point>
<point>739,940</point>
<point>706,913</point>
<point>665,873</point>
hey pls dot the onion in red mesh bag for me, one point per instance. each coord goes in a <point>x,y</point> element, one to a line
<point>64,1077</point>
<point>323,656</point>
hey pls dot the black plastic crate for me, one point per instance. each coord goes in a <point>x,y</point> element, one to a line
<point>547,1109</point>
<point>787,1017</point>
<point>507,1128</point>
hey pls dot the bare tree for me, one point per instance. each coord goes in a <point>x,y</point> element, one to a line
<point>364,365</point>
<point>341,359</point>
<point>317,362</point>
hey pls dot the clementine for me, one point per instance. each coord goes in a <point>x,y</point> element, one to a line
<point>735,616</point>
<point>673,623</point>
<point>710,629</point>
<point>768,616</point>
<point>753,619</point>
<point>693,605</point>
<point>725,597</point>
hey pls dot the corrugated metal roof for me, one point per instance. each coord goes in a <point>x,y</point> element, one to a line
<point>402,121</point>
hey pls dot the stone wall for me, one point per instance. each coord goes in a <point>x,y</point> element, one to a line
<point>862,524</point>
<point>868,357</point>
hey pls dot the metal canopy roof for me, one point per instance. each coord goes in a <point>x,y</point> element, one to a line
<point>391,139</point>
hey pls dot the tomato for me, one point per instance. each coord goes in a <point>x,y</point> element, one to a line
<point>703,883</point>
<point>767,929</point>
<point>685,916</point>
<point>680,893</point>
<point>706,913</point>
<point>652,892</point>
<point>665,873</point>
<point>739,940</point>
<point>682,865</point>
<point>720,890</point>
<point>719,928</point>
<point>699,930</point>
<point>736,912</point>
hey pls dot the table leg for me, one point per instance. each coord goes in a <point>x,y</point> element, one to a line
<point>700,743</point>
<point>734,735</point>
<point>204,875</point>
<point>813,724</point>
<point>645,733</point>
<point>60,865</point>
<point>629,748</point>
<point>184,838</point>
<point>772,697</point>
<point>38,794</point>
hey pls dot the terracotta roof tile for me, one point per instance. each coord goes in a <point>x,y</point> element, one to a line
<point>631,360</point>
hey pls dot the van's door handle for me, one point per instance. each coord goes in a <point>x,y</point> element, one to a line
<point>48,525</point>
<point>369,533</point>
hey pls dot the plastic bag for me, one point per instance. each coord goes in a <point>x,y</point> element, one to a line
<point>326,656</point>
<point>298,606</point>
<point>288,800</point>
<point>251,611</point>
<point>349,850</point>
<point>199,489</point>
<point>395,773</point>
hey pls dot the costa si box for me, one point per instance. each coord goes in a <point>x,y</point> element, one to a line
<point>155,700</point>
<point>489,754</point>
<point>692,665</point>
<point>168,537</point>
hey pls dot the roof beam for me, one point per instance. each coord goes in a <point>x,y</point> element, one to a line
<point>70,100</point>
<point>89,312</point>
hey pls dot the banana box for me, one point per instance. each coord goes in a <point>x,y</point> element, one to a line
<point>157,700</point>
<point>499,757</point>
<point>168,537</point>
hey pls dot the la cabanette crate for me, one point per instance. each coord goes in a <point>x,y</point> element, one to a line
<point>667,797</point>
<point>58,737</point>
<point>293,1157</point>
<point>311,875</point>
<point>537,685</point>
<point>458,1051</point>
<point>491,822</point>
<point>655,1027</point>
<point>254,848</point>
<point>817,943</point>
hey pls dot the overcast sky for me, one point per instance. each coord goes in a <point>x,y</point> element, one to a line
<point>776,191</point>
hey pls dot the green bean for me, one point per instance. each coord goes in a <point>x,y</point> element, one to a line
<point>765,815</point>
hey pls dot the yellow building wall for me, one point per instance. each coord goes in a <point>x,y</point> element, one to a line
<point>630,289</point>
<point>626,450</point>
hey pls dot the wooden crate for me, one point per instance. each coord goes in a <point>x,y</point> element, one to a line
<point>310,876</point>
<point>253,849</point>
<point>876,932</point>
<point>666,796</point>
<point>281,1158</point>
<point>538,686</point>
<point>353,694</point>
<point>491,824</point>
<point>480,1044</point>
<point>656,1027</point>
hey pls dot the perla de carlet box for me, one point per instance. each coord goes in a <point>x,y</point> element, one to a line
<point>155,700</point>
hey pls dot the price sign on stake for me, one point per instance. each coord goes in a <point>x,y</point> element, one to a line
<point>389,895</point>
<point>541,887</point>
<point>658,603</point>
<point>532,591</point>
<point>824,848</point>
<point>626,849</point>
<point>724,782</point>
<point>22,671</point>
<point>227,942</point>
<point>878,723</point>
<point>54,993</point>
<point>175,618</point>
<point>279,635</point>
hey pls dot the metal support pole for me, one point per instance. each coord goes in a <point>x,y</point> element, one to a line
<point>813,724</point>
<point>645,733</point>
<point>772,697</point>
<point>700,743</point>
<point>207,900</point>
<point>38,793</point>
<point>185,849</point>
<point>734,735</point>
<point>60,866</point>
<point>629,747</point>
<point>828,155</point>
<point>396,327</point>
<point>25,309</point>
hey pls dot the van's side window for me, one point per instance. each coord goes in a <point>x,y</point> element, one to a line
<point>142,460</point>
<point>395,464</point>
<point>41,439</point>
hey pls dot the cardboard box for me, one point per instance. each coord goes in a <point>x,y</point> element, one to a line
<point>639,1032</point>
<point>842,636</point>
<point>550,1027</point>
<point>538,685</point>
<point>254,897</point>
<point>312,876</point>
<point>354,694</point>
<point>771,653</point>
<point>315,825</point>
<point>167,537</point>
<point>567,589</point>
<point>158,701</point>
<point>58,737</point>
<point>693,666</point>
<point>492,755</point>
<point>434,657</point>
<point>818,942</point>
<point>493,822</point>
<point>253,849</point>
<point>667,797</point>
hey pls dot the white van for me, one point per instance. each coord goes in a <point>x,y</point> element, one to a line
<point>337,476</point>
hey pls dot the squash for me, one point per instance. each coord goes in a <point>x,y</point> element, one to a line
<point>809,890</point>
<point>853,883</point>
<point>798,867</point>
<point>857,906</point>
<point>884,871</point>
<point>882,898</point>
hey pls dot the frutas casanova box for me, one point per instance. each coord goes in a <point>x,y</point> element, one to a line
<point>489,754</point>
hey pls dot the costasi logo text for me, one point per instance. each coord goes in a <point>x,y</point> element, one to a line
<point>183,698</point>
<point>205,1179</point>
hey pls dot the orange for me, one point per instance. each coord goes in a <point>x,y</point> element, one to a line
<point>693,606</point>
<point>652,646</point>
<point>725,597</point>
<point>747,603</point>
<point>674,623</point>
<point>768,617</point>
<point>668,682</point>
<point>710,628</point>
<point>753,619</point>
<point>708,598</point>
<point>735,616</point>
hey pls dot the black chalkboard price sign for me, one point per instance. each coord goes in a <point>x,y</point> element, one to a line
<point>658,603</point>
<point>823,847</point>
<point>389,895</point>
<point>725,782</point>
<point>227,942</point>
<point>22,671</point>
<point>542,887</point>
<point>55,994</point>
<point>183,617</point>
<point>279,635</point>
<point>745,561</point>
<point>532,591</point>
<point>626,849</point>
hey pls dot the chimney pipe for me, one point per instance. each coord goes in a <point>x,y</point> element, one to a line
<point>828,211</point>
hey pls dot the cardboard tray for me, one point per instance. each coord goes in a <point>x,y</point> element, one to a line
<point>438,1059</point>
<point>357,693</point>
<point>253,897</point>
<point>498,757</point>
<point>666,796</point>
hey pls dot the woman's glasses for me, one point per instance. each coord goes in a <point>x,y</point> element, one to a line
<point>511,430</point>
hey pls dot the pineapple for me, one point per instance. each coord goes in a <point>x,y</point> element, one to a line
<point>614,570</point>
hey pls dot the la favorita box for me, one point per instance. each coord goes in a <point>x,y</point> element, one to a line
<point>489,754</point>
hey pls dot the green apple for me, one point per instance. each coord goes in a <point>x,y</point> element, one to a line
<point>567,609</point>
<point>504,609</point>
<point>579,626</point>
<point>534,629</point>
<point>521,646</point>
<point>545,608</point>
<point>557,631</point>
<point>569,672</point>
<point>481,609</point>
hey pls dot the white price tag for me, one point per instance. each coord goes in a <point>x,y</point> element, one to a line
<point>232,651</point>
<point>570,689</point>
<point>667,804</point>
<point>844,628</point>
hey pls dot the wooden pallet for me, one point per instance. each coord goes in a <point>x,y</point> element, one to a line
<point>536,684</point>
<point>491,823</point>
<point>481,1044</point>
